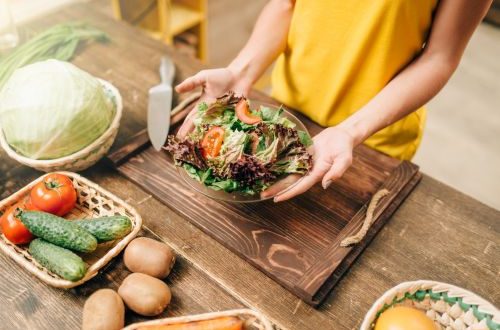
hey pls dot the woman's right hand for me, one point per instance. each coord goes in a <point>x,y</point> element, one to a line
<point>214,83</point>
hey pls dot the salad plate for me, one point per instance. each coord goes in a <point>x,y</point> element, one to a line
<point>234,154</point>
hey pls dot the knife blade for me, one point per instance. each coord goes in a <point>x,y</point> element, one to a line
<point>160,105</point>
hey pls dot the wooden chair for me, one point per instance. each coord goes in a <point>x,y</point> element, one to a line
<point>167,19</point>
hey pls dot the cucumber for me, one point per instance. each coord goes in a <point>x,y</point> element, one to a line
<point>58,260</point>
<point>58,231</point>
<point>106,228</point>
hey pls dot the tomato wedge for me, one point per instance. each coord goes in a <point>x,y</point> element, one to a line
<point>244,114</point>
<point>212,142</point>
<point>13,229</point>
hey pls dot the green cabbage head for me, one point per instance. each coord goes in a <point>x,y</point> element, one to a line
<point>52,109</point>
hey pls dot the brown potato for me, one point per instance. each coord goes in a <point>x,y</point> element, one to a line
<point>148,256</point>
<point>103,310</point>
<point>144,294</point>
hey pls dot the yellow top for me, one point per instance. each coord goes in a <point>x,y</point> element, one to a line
<point>341,53</point>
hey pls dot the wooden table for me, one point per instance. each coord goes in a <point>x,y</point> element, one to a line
<point>438,233</point>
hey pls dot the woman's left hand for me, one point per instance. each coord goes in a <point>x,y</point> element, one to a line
<point>332,154</point>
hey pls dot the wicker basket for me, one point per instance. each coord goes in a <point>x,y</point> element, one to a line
<point>252,320</point>
<point>93,201</point>
<point>449,306</point>
<point>84,158</point>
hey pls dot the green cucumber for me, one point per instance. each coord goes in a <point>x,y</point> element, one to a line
<point>107,228</point>
<point>58,260</point>
<point>58,231</point>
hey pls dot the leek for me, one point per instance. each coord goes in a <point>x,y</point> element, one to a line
<point>58,42</point>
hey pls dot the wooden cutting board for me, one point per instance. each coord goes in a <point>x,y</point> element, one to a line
<point>296,243</point>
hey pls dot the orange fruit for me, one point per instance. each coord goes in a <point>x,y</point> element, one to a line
<point>404,318</point>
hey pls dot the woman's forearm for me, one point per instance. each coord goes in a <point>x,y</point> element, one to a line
<point>421,80</point>
<point>267,41</point>
<point>408,91</point>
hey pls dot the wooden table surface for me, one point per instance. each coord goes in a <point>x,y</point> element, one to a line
<point>437,234</point>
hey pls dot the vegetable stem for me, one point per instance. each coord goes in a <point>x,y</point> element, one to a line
<point>58,42</point>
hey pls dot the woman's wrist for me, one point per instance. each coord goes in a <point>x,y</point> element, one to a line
<point>240,71</point>
<point>356,129</point>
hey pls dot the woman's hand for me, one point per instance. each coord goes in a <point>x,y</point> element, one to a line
<point>332,154</point>
<point>214,83</point>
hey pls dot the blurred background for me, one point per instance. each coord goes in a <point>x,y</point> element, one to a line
<point>461,145</point>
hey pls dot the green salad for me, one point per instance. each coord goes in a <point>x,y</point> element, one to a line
<point>236,149</point>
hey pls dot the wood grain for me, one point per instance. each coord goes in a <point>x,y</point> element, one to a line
<point>284,240</point>
<point>325,267</point>
<point>30,304</point>
<point>438,233</point>
<point>295,243</point>
<point>136,144</point>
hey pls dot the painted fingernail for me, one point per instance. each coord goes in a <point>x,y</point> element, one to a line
<point>327,184</point>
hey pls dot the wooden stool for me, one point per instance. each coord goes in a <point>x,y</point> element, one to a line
<point>167,19</point>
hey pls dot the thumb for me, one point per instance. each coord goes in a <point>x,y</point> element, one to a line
<point>280,186</point>
<point>188,124</point>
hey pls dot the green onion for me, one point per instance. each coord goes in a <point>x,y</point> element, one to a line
<point>58,42</point>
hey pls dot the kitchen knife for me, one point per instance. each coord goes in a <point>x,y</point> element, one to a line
<point>160,105</point>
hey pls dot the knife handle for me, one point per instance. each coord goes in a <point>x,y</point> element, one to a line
<point>167,70</point>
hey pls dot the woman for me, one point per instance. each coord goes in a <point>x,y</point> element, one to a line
<point>362,68</point>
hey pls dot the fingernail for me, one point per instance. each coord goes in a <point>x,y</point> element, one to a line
<point>275,199</point>
<point>327,184</point>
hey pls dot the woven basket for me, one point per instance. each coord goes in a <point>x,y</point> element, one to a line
<point>93,201</point>
<point>449,306</point>
<point>252,320</point>
<point>84,158</point>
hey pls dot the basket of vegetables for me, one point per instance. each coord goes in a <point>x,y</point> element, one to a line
<point>55,116</point>
<point>64,228</point>
<point>238,319</point>
<point>430,305</point>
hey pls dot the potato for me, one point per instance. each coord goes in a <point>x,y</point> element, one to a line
<point>103,310</point>
<point>148,256</point>
<point>144,294</point>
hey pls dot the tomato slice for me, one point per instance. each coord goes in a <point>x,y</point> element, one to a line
<point>243,113</point>
<point>13,229</point>
<point>212,142</point>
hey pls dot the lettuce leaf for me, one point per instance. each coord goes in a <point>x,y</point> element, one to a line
<point>228,185</point>
<point>269,154</point>
<point>274,116</point>
<point>305,139</point>
<point>270,115</point>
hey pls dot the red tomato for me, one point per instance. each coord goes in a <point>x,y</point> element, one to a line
<point>243,113</point>
<point>212,142</point>
<point>54,194</point>
<point>13,229</point>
